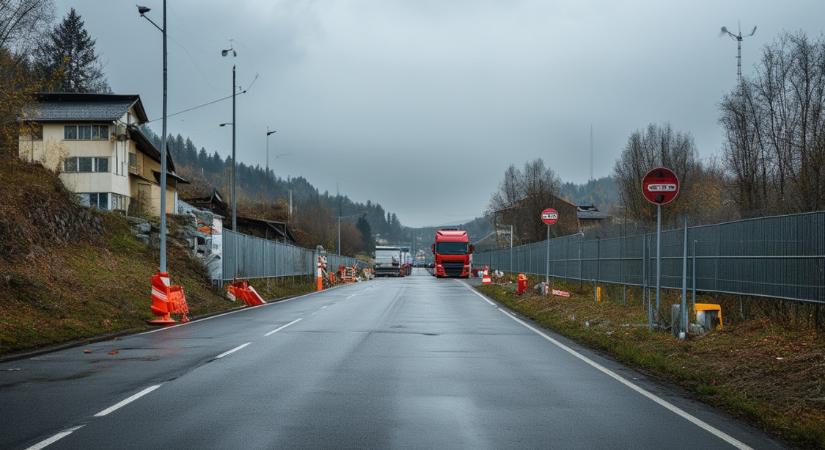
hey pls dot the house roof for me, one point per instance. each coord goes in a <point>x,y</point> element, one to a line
<point>83,107</point>
<point>590,212</point>
<point>146,146</point>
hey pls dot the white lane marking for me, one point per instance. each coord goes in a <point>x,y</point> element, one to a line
<point>476,293</point>
<point>662,402</point>
<point>229,352</point>
<point>47,442</point>
<point>125,402</point>
<point>325,307</point>
<point>282,327</point>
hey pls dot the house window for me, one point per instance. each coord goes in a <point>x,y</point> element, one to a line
<point>86,132</point>
<point>99,200</point>
<point>86,164</point>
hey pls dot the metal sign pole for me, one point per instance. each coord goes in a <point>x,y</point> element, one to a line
<point>547,262</point>
<point>658,257</point>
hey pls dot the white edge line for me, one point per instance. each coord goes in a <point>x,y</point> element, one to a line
<point>477,293</point>
<point>662,402</point>
<point>47,442</point>
<point>283,326</point>
<point>229,352</point>
<point>126,401</point>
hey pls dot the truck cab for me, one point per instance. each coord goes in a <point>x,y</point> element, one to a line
<point>388,261</point>
<point>452,252</point>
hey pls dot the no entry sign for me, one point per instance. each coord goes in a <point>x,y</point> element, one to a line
<point>549,216</point>
<point>660,186</point>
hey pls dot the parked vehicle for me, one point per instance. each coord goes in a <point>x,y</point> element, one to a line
<point>453,253</point>
<point>388,261</point>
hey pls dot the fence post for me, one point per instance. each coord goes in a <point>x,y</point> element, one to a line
<point>683,314</point>
<point>598,269</point>
<point>693,299</point>
<point>645,296</point>
<point>581,268</point>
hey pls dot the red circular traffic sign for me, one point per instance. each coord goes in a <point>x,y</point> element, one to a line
<point>660,186</point>
<point>549,216</point>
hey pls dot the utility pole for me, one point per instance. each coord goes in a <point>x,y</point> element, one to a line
<point>338,195</point>
<point>227,52</point>
<point>142,10</point>
<point>234,161</point>
<point>268,133</point>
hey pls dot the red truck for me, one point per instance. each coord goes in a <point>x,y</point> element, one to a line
<point>453,253</point>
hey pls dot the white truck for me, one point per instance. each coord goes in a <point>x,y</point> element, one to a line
<point>388,261</point>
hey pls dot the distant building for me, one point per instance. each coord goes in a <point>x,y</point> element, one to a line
<point>95,143</point>
<point>590,216</point>
<point>268,229</point>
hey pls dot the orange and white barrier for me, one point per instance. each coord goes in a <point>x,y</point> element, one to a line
<point>246,293</point>
<point>485,277</point>
<point>319,275</point>
<point>167,300</point>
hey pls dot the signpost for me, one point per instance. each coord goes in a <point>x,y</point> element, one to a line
<point>660,186</point>
<point>549,216</point>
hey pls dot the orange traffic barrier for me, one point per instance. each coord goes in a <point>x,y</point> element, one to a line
<point>246,293</point>
<point>522,284</point>
<point>485,277</point>
<point>348,274</point>
<point>167,300</point>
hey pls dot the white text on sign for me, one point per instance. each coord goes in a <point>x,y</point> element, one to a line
<point>662,187</point>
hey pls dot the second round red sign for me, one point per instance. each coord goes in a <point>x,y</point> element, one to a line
<point>549,216</point>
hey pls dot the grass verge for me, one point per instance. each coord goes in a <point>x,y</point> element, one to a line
<point>771,375</point>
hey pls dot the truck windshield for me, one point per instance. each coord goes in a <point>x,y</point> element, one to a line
<point>451,248</point>
<point>387,255</point>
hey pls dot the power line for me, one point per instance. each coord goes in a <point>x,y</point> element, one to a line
<point>200,106</point>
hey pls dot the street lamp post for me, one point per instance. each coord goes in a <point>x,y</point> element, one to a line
<point>227,52</point>
<point>268,133</point>
<point>142,10</point>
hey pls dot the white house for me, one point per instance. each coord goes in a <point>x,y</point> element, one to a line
<point>94,142</point>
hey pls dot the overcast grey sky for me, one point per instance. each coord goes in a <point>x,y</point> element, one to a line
<point>421,104</point>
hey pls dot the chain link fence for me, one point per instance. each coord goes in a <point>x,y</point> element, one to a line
<point>246,257</point>
<point>780,257</point>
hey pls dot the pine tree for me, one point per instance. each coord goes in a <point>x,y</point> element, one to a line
<point>68,57</point>
<point>366,232</point>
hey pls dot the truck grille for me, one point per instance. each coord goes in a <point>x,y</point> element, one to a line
<point>453,268</point>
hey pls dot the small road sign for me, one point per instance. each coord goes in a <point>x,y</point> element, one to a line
<point>660,186</point>
<point>550,216</point>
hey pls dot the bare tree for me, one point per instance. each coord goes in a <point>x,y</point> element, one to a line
<point>774,126</point>
<point>658,145</point>
<point>22,22</point>
<point>523,194</point>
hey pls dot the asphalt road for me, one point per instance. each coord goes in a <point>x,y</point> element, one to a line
<point>415,362</point>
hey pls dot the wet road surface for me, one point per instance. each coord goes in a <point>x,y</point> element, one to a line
<point>416,362</point>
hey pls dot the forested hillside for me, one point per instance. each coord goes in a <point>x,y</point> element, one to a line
<point>266,195</point>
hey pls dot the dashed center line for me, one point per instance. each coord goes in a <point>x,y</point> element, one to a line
<point>47,442</point>
<point>229,352</point>
<point>282,327</point>
<point>125,402</point>
<point>325,307</point>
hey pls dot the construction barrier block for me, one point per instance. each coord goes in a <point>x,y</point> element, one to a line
<point>167,299</point>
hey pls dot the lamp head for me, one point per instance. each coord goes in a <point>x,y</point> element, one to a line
<point>142,10</point>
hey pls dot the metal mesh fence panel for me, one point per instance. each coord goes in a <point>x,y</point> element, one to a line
<point>779,257</point>
<point>247,257</point>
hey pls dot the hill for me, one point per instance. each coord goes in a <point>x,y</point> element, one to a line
<point>68,272</point>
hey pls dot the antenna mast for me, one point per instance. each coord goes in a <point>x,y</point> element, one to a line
<point>738,38</point>
<point>591,153</point>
